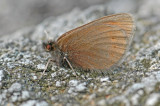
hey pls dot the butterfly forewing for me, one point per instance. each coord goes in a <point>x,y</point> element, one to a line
<point>99,44</point>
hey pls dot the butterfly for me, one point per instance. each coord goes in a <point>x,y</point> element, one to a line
<point>98,45</point>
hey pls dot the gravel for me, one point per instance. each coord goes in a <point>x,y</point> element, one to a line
<point>136,82</point>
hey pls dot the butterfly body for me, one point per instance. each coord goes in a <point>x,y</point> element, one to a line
<point>98,45</point>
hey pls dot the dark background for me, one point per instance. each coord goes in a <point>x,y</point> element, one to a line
<point>17,14</point>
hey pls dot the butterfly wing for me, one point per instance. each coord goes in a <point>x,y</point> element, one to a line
<point>99,44</point>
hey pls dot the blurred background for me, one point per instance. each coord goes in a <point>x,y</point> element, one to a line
<point>17,14</point>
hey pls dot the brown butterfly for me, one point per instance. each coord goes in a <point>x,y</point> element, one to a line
<point>98,45</point>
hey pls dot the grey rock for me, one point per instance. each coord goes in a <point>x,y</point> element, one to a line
<point>136,82</point>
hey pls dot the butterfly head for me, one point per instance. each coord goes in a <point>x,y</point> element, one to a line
<point>49,46</point>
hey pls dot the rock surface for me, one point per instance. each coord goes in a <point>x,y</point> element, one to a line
<point>137,82</point>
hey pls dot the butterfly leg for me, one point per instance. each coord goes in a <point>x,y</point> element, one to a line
<point>70,66</point>
<point>49,60</point>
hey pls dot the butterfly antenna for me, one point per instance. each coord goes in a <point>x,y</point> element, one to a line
<point>47,35</point>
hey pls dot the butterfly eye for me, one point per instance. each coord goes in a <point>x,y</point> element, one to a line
<point>48,47</point>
